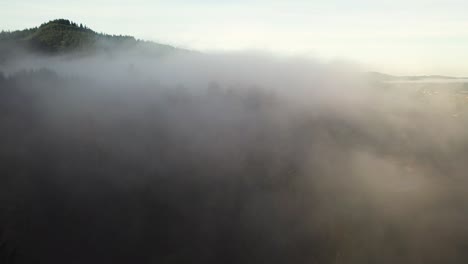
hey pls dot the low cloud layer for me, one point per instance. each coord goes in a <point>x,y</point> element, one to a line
<point>227,158</point>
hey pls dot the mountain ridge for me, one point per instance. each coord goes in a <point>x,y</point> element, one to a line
<point>378,76</point>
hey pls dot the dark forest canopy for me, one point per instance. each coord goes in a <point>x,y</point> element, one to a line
<point>138,172</point>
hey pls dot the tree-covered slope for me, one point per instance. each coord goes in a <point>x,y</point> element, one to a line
<point>63,36</point>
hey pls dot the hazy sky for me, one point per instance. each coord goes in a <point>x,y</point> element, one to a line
<point>394,36</point>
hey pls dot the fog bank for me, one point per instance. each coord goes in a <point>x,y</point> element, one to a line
<point>226,158</point>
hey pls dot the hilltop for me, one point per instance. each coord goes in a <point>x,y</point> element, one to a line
<point>62,36</point>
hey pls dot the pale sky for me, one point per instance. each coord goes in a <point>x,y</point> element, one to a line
<point>393,36</point>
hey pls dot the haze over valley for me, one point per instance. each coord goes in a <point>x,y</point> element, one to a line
<point>115,149</point>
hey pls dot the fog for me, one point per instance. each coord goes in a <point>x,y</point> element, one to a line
<point>227,158</point>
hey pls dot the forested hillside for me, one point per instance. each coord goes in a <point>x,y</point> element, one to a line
<point>61,36</point>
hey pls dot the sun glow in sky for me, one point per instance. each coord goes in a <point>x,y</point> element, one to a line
<point>398,36</point>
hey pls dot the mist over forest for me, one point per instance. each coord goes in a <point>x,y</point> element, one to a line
<point>117,150</point>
